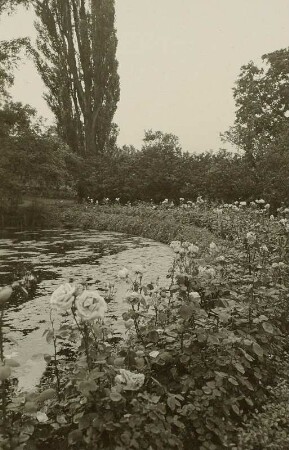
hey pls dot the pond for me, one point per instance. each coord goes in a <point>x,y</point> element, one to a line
<point>57,256</point>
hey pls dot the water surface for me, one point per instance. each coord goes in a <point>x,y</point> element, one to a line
<point>57,256</point>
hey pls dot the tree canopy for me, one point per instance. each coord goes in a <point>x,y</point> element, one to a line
<point>32,159</point>
<point>75,55</point>
<point>262,103</point>
<point>9,58</point>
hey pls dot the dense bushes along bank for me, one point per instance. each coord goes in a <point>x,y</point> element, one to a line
<point>164,222</point>
<point>160,224</point>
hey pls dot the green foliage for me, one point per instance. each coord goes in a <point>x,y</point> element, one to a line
<point>75,56</point>
<point>261,96</point>
<point>268,428</point>
<point>161,224</point>
<point>202,357</point>
<point>9,51</point>
<point>160,170</point>
<point>32,160</point>
<point>10,5</point>
<point>9,58</point>
<point>158,166</point>
<point>262,122</point>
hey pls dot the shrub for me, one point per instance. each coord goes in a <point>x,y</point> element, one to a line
<point>202,357</point>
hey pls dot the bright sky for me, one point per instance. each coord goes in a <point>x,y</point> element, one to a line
<point>178,61</point>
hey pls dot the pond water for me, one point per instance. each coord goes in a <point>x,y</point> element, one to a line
<point>57,256</point>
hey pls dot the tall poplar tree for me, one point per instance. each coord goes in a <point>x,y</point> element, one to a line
<point>76,58</point>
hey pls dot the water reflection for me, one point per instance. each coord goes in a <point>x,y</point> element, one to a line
<point>57,256</point>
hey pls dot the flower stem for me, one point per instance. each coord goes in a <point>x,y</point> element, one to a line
<point>86,346</point>
<point>85,336</point>
<point>4,382</point>
<point>55,360</point>
<point>1,336</point>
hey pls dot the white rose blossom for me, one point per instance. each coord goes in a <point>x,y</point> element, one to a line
<point>193,249</point>
<point>221,259</point>
<point>90,305</point>
<point>194,296</point>
<point>123,273</point>
<point>63,296</point>
<point>200,199</point>
<point>176,246</point>
<point>130,381</point>
<point>213,247</point>
<point>211,272</point>
<point>129,324</point>
<point>154,354</point>
<point>41,417</point>
<point>251,238</point>
<point>207,272</point>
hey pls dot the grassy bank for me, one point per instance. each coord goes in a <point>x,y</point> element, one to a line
<point>141,220</point>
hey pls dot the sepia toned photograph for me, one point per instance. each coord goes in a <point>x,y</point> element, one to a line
<point>144,224</point>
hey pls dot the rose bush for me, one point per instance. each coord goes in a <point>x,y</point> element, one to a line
<point>202,356</point>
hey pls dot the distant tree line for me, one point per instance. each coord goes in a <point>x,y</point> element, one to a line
<point>161,170</point>
<point>258,168</point>
<point>75,54</point>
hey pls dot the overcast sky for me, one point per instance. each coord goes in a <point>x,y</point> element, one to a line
<point>178,61</point>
